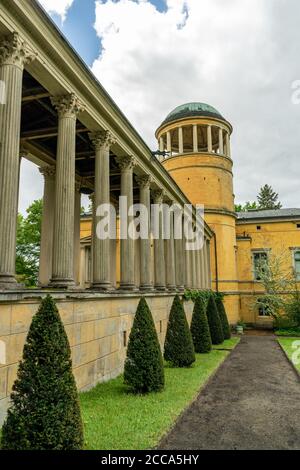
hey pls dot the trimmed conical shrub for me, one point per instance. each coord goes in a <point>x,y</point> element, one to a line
<point>215,325</point>
<point>179,348</point>
<point>200,329</point>
<point>223,318</point>
<point>144,370</point>
<point>45,412</point>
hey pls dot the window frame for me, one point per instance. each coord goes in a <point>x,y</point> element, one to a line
<point>296,251</point>
<point>258,251</point>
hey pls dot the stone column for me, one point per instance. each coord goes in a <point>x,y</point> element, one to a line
<point>144,183</point>
<point>159,249</point>
<point>221,142</point>
<point>202,268</point>
<point>228,152</point>
<point>195,138</point>
<point>188,266</point>
<point>169,143</point>
<point>208,265</point>
<point>194,268</point>
<point>68,107</point>
<point>45,270</point>
<point>161,144</point>
<point>102,142</point>
<point>126,165</point>
<point>179,256</point>
<point>198,269</point>
<point>205,265</point>
<point>170,256</point>
<point>180,140</point>
<point>209,139</point>
<point>14,54</point>
<point>77,215</point>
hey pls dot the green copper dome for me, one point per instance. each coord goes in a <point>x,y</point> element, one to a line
<point>193,110</point>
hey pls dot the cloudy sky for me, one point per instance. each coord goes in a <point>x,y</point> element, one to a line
<point>241,56</point>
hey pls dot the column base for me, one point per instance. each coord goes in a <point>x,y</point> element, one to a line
<point>180,289</point>
<point>102,287</point>
<point>172,288</point>
<point>62,284</point>
<point>146,288</point>
<point>161,288</point>
<point>8,282</point>
<point>128,287</point>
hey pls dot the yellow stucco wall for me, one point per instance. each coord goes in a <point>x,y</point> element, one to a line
<point>281,237</point>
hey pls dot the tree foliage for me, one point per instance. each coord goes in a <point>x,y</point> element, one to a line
<point>268,198</point>
<point>246,207</point>
<point>179,348</point>
<point>200,328</point>
<point>223,318</point>
<point>28,244</point>
<point>44,412</point>
<point>144,371</point>
<point>215,326</point>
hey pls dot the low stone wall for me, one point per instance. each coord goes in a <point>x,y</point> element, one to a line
<point>97,326</point>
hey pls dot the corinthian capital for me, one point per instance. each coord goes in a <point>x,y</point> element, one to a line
<point>102,139</point>
<point>158,196</point>
<point>67,105</point>
<point>47,171</point>
<point>126,163</point>
<point>15,51</point>
<point>144,181</point>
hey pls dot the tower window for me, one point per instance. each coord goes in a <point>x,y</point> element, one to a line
<point>124,339</point>
<point>258,227</point>
<point>297,263</point>
<point>298,225</point>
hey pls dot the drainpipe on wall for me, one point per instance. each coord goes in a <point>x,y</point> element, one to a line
<point>216,263</point>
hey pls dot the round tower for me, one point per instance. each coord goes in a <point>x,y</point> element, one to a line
<point>196,138</point>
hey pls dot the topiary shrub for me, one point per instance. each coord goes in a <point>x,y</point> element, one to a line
<point>215,326</point>
<point>223,318</point>
<point>45,412</point>
<point>179,348</point>
<point>144,370</point>
<point>200,329</point>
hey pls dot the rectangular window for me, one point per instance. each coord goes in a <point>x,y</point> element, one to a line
<point>297,263</point>
<point>259,258</point>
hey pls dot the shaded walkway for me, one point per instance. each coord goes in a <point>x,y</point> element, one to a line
<point>253,402</point>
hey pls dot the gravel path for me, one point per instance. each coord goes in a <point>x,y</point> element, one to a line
<point>253,402</point>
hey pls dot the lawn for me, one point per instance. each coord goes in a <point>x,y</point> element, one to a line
<point>287,344</point>
<point>117,420</point>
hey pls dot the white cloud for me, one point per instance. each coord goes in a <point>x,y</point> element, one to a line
<point>58,7</point>
<point>239,56</point>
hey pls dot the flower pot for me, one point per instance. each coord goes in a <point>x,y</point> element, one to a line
<point>240,330</point>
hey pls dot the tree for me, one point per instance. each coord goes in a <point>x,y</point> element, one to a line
<point>28,244</point>
<point>179,348</point>
<point>223,318</point>
<point>144,371</point>
<point>45,412</point>
<point>268,199</point>
<point>200,329</point>
<point>215,326</point>
<point>246,207</point>
<point>276,279</point>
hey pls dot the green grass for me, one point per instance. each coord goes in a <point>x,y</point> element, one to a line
<point>117,420</point>
<point>287,344</point>
<point>228,343</point>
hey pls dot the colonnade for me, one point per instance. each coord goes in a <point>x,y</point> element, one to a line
<point>175,268</point>
<point>220,146</point>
